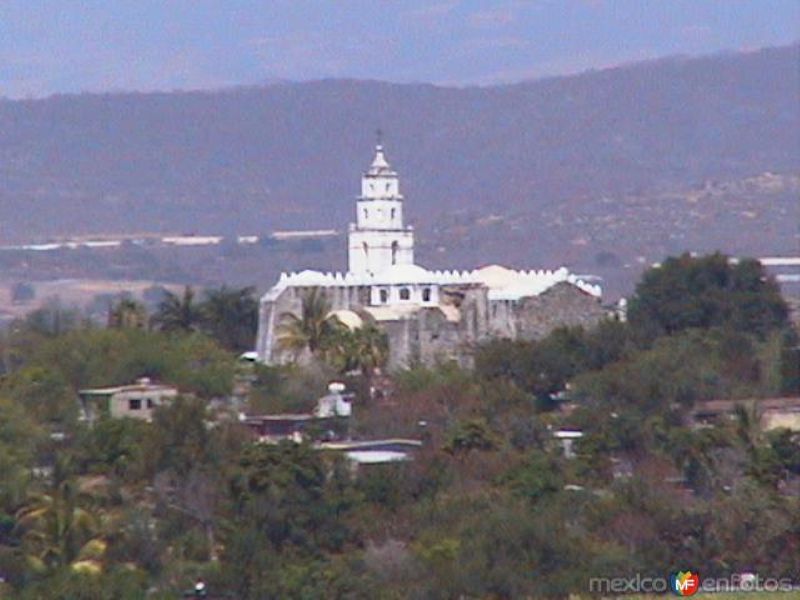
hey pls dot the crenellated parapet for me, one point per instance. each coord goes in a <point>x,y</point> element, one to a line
<point>502,283</point>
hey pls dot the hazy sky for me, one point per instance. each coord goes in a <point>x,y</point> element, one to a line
<point>94,45</point>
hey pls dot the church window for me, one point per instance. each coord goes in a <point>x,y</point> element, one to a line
<point>366,250</point>
<point>426,294</point>
<point>395,248</point>
<point>366,213</point>
<point>388,186</point>
<point>392,213</point>
<point>405,294</point>
<point>384,295</point>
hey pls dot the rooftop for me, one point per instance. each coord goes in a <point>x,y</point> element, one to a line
<point>503,283</point>
<point>142,385</point>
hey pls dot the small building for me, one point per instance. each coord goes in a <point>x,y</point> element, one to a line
<point>566,438</point>
<point>330,420</point>
<point>772,413</point>
<point>136,401</point>
<point>271,429</point>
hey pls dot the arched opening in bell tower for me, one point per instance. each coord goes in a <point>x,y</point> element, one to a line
<point>395,248</point>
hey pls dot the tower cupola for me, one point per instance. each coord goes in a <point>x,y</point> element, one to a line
<point>379,239</point>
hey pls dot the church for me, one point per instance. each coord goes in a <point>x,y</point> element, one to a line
<point>429,316</point>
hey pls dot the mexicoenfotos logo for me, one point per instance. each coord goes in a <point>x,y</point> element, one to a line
<point>684,583</point>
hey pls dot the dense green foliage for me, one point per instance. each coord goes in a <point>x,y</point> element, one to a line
<point>229,315</point>
<point>705,292</point>
<point>490,507</point>
<point>317,335</point>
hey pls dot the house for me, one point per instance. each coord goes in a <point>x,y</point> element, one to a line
<point>329,420</point>
<point>136,401</point>
<point>772,413</point>
<point>329,426</point>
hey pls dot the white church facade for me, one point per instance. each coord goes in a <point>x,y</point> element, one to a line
<point>428,315</point>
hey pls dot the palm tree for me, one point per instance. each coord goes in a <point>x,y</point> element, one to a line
<point>128,314</point>
<point>178,313</point>
<point>365,348</point>
<point>56,530</point>
<point>313,329</point>
<point>371,349</point>
<point>748,425</point>
<point>231,316</point>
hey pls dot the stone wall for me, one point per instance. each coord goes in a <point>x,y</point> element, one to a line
<point>450,331</point>
<point>440,334</point>
<point>561,305</point>
<point>290,299</point>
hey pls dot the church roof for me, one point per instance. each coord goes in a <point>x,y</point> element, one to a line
<point>503,283</point>
<point>495,276</point>
<point>399,274</point>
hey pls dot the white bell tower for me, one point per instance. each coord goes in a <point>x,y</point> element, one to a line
<point>378,239</point>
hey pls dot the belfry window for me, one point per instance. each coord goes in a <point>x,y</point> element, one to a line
<point>384,296</point>
<point>393,210</point>
<point>426,294</point>
<point>395,248</point>
<point>405,294</point>
<point>366,213</point>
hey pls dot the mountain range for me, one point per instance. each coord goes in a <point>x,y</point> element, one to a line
<point>598,171</point>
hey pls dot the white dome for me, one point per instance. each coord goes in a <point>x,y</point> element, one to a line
<point>348,318</point>
<point>399,274</point>
<point>495,276</point>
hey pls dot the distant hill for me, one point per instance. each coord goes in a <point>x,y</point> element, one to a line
<point>550,159</point>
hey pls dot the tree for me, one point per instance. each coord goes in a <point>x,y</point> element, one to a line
<point>178,313</point>
<point>101,357</point>
<point>364,348</point>
<point>179,438</point>
<point>705,292</point>
<point>310,331</point>
<point>290,509</point>
<point>22,292</point>
<point>371,349</point>
<point>114,447</point>
<point>52,319</point>
<point>56,528</point>
<point>19,436</point>
<point>44,392</point>
<point>786,445</point>
<point>230,315</point>
<point>472,434</point>
<point>127,313</point>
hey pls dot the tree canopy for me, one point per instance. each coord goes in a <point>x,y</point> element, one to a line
<point>707,291</point>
